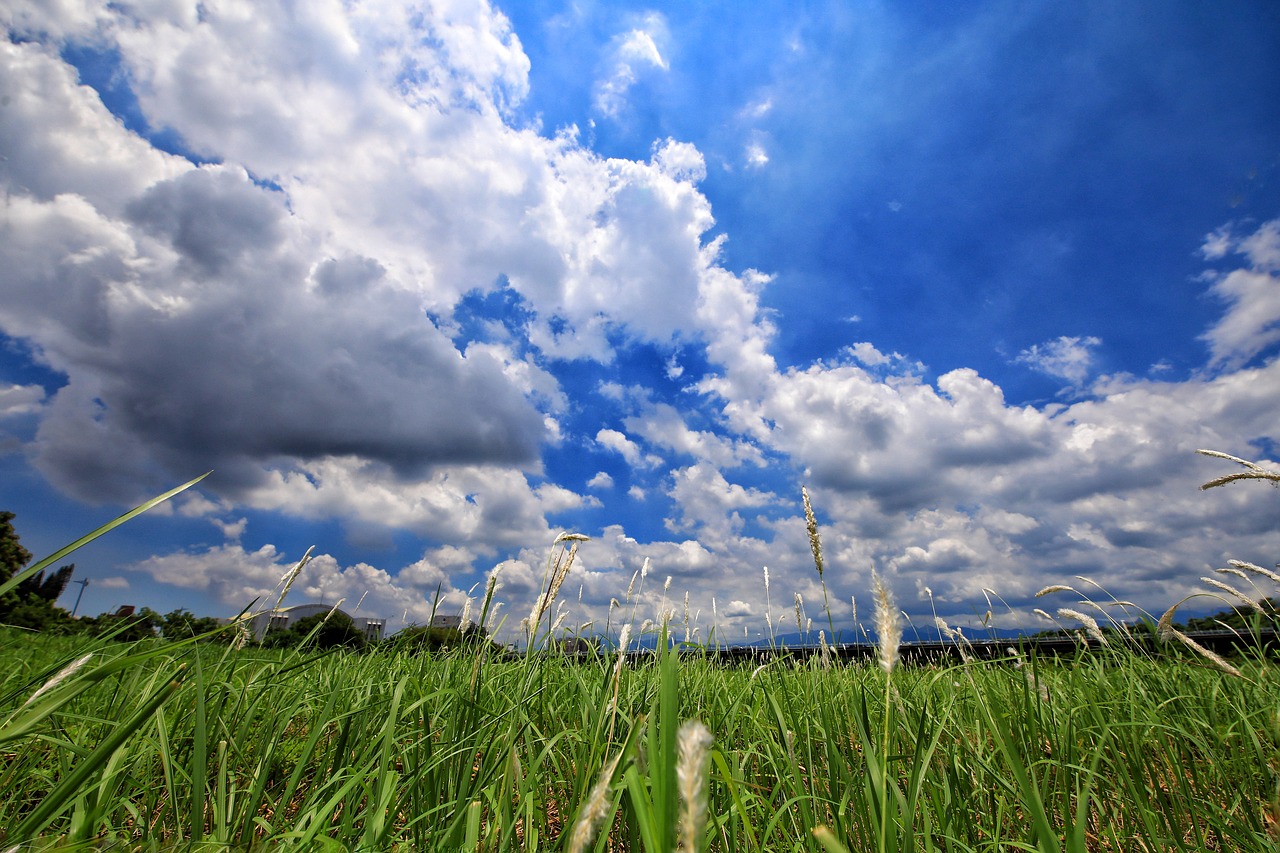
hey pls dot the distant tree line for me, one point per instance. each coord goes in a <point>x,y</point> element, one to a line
<point>32,605</point>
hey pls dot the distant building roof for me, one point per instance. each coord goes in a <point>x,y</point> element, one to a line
<point>373,628</point>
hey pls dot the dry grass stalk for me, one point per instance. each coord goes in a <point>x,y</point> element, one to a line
<point>1232,591</point>
<point>955,636</point>
<point>557,574</point>
<point>1253,471</point>
<point>624,640</point>
<point>1057,587</point>
<point>1257,570</point>
<point>1166,632</point>
<point>292,575</point>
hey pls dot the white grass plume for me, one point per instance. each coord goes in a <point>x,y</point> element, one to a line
<point>1090,624</point>
<point>1166,632</point>
<point>464,621</point>
<point>291,575</point>
<point>595,810</point>
<point>811,523</point>
<point>692,744</point>
<point>1232,591</point>
<point>888,624</point>
<point>557,573</point>
<point>59,677</point>
<point>1253,471</point>
<point>1257,570</point>
<point>955,636</point>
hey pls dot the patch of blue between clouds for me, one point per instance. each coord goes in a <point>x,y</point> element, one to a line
<point>102,70</point>
<point>21,365</point>
<point>493,315</point>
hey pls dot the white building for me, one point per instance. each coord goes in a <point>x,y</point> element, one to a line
<point>279,620</point>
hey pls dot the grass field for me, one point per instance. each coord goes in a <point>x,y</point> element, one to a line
<point>198,746</point>
<point>201,746</point>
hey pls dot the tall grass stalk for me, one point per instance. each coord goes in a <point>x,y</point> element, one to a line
<point>819,562</point>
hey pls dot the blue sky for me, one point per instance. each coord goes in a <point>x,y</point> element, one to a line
<point>426,285</point>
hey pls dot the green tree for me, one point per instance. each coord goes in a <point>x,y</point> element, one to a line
<point>1242,619</point>
<point>182,624</point>
<point>331,631</point>
<point>12,555</point>
<point>33,603</point>
<point>427,638</point>
<point>140,625</point>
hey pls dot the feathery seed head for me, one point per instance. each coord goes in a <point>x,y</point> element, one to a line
<point>888,625</point>
<point>594,810</point>
<point>1257,570</point>
<point>1057,587</point>
<point>1164,628</point>
<point>1090,624</point>
<point>61,676</point>
<point>811,522</point>
<point>292,575</point>
<point>1232,591</point>
<point>1216,660</point>
<point>692,744</point>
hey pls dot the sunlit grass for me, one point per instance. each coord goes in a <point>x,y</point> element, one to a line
<point>191,745</point>
<point>468,751</point>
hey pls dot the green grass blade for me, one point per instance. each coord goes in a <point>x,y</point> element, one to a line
<point>64,794</point>
<point>19,577</point>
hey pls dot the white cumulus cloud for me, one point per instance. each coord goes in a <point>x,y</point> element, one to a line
<point>1068,357</point>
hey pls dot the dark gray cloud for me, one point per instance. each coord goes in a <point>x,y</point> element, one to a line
<point>212,344</point>
<point>212,218</point>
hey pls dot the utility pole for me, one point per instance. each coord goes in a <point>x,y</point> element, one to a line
<point>83,583</point>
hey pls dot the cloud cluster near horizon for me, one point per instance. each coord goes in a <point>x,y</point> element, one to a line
<point>358,291</point>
